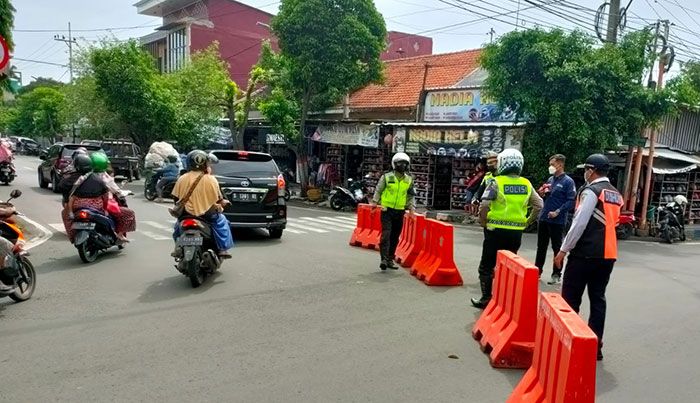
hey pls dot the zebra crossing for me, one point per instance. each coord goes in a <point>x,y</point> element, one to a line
<point>162,230</point>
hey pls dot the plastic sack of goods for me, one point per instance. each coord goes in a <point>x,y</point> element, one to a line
<point>157,154</point>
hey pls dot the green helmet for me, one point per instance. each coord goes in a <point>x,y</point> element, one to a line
<point>100,162</point>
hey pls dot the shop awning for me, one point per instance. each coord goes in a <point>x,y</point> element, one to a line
<point>453,124</point>
<point>668,162</point>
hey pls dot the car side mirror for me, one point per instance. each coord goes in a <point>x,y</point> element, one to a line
<point>42,156</point>
<point>16,193</point>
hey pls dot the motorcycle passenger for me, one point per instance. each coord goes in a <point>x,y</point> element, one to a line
<point>206,201</point>
<point>168,175</point>
<point>6,249</point>
<point>71,169</point>
<point>5,152</point>
<point>124,218</point>
<point>81,166</point>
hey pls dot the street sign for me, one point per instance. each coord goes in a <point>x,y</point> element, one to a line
<point>4,53</point>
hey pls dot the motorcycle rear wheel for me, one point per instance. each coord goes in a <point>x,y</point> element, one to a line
<point>25,289</point>
<point>194,270</point>
<point>667,236</point>
<point>86,255</point>
<point>148,192</point>
<point>336,203</point>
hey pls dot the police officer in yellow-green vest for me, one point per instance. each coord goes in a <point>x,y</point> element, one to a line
<point>396,195</point>
<point>504,216</point>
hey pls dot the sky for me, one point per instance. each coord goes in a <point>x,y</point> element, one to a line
<point>453,24</point>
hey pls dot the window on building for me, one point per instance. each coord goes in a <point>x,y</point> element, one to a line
<point>177,49</point>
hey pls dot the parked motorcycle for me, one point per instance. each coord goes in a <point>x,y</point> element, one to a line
<point>355,194</point>
<point>20,271</point>
<point>7,172</point>
<point>149,188</point>
<point>196,255</point>
<point>671,225</point>
<point>94,233</point>
<point>625,225</point>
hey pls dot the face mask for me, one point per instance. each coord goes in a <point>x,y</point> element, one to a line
<point>401,168</point>
<point>552,170</point>
<point>492,168</point>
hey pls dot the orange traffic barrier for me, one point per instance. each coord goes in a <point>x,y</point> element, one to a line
<point>506,328</point>
<point>435,263</point>
<point>368,229</point>
<point>411,241</point>
<point>564,364</point>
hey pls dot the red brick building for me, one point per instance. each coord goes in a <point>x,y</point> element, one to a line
<point>192,25</point>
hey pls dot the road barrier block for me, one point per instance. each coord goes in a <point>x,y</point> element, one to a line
<point>411,242</point>
<point>506,328</point>
<point>564,363</point>
<point>368,228</point>
<point>435,264</point>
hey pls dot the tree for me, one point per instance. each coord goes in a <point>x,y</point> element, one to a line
<point>7,19</point>
<point>41,82</point>
<point>329,47</point>
<point>38,114</point>
<point>126,79</point>
<point>579,99</point>
<point>88,111</point>
<point>685,88</point>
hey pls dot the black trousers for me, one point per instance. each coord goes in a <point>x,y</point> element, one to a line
<point>594,274</point>
<point>392,224</point>
<point>547,232</point>
<point>495,240</point>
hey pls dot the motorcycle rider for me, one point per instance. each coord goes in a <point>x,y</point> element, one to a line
<point>6,248</point>
<point>71,169</point>
<point>504,216</point>
<point>168,175</point>
<point>82,165</point>
<point>396,194</point>
<point>206,201</point>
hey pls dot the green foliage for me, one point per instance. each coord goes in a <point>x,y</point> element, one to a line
<point>88,111</point>
<point>41,82</point>
<point>686,86</point>
<point>125,78</point>
<point>7,115</point>
<point>38,114</point>
<point>328,48</point>
<point>580,99</point>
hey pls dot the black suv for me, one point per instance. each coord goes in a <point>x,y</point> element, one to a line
<point>125,158</point>
<point>54,160</point>
<point>255,187</point>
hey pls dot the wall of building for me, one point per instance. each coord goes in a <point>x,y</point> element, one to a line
<point>235,26</point>
<point>681,131</point>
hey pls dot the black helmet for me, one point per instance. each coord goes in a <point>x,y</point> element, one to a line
<point>79,151</point>
<point>197,160</point>
<point>82,163</point>
<point>598,162</point>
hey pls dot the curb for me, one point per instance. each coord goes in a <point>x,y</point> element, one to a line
<point>39,232</point>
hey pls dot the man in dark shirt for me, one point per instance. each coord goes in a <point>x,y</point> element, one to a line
<point>559,198</point>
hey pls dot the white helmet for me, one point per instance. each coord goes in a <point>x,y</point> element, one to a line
<point>400,157</point>
<point>510,161</point>
<point>680,200</point>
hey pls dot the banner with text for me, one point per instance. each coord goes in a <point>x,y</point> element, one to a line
<point>348,134</point>
<point>463,105</point>
<point>463,143</point>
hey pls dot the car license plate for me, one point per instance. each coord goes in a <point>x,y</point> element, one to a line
<point>83,225</point>
<point>244,197</point>
<point>190,241</point>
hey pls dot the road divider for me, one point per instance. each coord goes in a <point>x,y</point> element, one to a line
<point>506,328</point>
<point>564,363</point>
<point>426,247</point>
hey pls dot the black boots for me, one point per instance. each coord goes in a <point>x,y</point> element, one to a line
<point>486,285</point>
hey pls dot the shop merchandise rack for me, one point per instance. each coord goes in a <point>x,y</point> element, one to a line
<point>335,155</point>
<point>666,187</point>
<point>423,172</point>
<point>373,164</point>
<point>461,170</point>
<point>694,199</point>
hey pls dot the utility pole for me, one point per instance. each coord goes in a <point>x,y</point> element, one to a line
<point>613,21</point>
<point>652,136</point>
<point>490,33</point>
<point>69,41</point>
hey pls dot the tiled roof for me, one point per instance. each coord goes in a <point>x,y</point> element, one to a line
<point>403,79</point>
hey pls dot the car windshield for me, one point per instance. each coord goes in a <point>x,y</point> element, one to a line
<point>69,150</point>
<point>117,150</point>
<point>245,165</point>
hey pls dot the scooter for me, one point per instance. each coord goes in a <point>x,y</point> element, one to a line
<point>149,188</point>
<point>7,172</point>
<point>670,225</point>
<point>20,271</point>
<point>625,225</point>
<point>195,255</point>
<point>355,194</point>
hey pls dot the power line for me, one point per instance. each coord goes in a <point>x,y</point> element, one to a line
<point>39,62</point>
<point>87,30</point>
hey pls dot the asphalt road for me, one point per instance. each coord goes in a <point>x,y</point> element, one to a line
<point>307,319</point>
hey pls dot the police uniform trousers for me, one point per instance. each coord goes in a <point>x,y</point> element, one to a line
<point>495,240</point>
<point>593,273</point>
<point>392,224</point>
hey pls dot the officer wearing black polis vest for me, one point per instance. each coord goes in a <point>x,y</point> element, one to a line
<point>396,194</point>
<point>592,244</point>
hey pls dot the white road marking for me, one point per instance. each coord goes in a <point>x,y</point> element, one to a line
<point>307,228</point>
<point>330,224</point>
<point>28,169</point>
<point>155,236</point>
<point>294,231</point>
<point>58,227</point>
<point>348,219</point>
<point>43,237</point>
<point>158,225</point>
<point>348,223</point>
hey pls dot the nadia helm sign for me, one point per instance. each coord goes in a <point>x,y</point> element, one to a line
<point>463,105</point>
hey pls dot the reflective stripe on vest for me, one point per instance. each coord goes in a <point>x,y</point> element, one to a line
<point>509,209</point>
<point>395,193</point>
